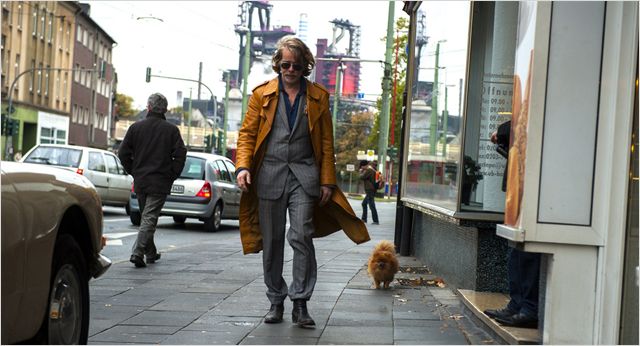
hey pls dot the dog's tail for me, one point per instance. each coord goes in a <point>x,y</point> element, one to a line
<point>385,245</point>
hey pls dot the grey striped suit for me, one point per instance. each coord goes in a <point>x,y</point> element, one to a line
<point>288,180</point>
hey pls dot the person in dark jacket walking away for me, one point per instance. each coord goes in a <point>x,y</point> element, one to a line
<point>368,176</point>
<point>153,152</point>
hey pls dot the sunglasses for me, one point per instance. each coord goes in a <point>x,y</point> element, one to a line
<point>287,65</point>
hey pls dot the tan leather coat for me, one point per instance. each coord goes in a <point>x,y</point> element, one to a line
<point>337,214</point>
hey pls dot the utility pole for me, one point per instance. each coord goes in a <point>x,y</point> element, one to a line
<point>245,73</point>
<point>445,119</point>
<point>226,75</point>
<point>433,127</point>
<point>200,79</point>
<point>336,98</point>
<point>189,120</point>
<point>386,90</point>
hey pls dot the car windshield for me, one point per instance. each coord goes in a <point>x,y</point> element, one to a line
<point>66,157</point>
<point>193,168</point>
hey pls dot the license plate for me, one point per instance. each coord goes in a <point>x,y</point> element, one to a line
<point>177,189</point>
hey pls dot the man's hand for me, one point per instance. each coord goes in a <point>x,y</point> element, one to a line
<point>494,137</point>
<point>244,180</point>
<point>325,194</point>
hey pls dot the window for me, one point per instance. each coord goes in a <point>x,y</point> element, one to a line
<point>43,23</point>
<point>58,85</point>
<point>19,16</point>
<point>90,43</point>
<point>232,170</point>
<point>40,73</point>
<point>46,81</point>
<point>51,135</point>
<point>492,58</point>
<point>32,81</point>
<point>226,177</point>
<point>34,21</point>
<point>434,138</point>
<point>68,40</point>
<point>6,68</point>
<point>193,168</point>
<point>6,13</point>
<point>79,34</point>
<point>64,86</point>
<point>16,68</point>
<point>60,34</point>
<point>74,113</point>
<point>85,116</point>
<point>85,35</point>
<point>96,162</point>
<point>76,73</point>
<point>54,155</point>
<point>51,28</point>
<point>112,164</point>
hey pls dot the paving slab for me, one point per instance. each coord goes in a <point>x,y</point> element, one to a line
<point>163,318</point>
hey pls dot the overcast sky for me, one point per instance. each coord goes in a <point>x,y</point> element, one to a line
<point>203,31</point>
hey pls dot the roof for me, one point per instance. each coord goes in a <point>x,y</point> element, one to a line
<point>86,16</point>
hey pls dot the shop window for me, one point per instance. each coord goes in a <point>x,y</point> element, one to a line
<point>489,95</point>
<point>435,126</point>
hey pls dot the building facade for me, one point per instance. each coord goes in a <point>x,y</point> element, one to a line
<point>566,75</point>
<point>93,84</point>
<point>37,51</point>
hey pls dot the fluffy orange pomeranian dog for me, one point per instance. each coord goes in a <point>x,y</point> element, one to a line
<point>383,264</point>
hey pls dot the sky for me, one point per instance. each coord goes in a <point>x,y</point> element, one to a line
<point>174,37</point>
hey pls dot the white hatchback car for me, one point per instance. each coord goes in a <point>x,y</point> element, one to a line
<point>101,167</point>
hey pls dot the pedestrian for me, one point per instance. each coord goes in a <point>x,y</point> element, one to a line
<point>523,268</point>
<point>368,177</point>
<point>153,152</point>
<point>286,162</point>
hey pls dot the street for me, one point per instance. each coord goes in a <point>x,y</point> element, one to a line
<point>205,291</point>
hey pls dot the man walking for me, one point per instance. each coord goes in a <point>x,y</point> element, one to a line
<point>153,152</point>
<point>286,162</point>
<point>368,177</point>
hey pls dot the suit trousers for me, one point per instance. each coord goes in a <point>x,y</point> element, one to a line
<point>524,281</point>
<point>150,207</point>
<point>272,217</point>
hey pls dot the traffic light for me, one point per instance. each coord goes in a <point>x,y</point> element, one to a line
<point>148,78</point>
<point>207,140</point>
<point>13,127</point>
<point>4,124</point>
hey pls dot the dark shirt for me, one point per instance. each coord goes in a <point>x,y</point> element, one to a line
<point>292,110</point>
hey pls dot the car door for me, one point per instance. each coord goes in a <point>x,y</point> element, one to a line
<point>13,255</point>
<point>96,172</point>
<point>228,193</point>
<point>235,188</point>
<point>118,181</point>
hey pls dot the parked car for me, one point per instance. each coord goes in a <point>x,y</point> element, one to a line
<point>101,167</point>
<point>206,190</point>
<point>51,243</point>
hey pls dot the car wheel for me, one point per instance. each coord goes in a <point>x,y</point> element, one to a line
<point>127,208</point>
<point>213,223</point>
<point>179,219</point>
<point>135,218</point>
<point>67,320</point>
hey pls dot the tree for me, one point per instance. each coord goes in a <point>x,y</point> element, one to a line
<point>399,44</point>
<point>123,106</point>
<point>351,137</point>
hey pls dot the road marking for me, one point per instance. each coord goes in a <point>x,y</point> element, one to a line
<point>116,220</point>
<point>117,242</point>
<point>118,235</point>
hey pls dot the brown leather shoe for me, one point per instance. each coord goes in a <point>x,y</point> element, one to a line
<point>300,315</point>
<point>275,314</point>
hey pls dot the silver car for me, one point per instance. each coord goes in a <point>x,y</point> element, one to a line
<point>206,190</point>
<point>51,243</point>
<point>101,167</point>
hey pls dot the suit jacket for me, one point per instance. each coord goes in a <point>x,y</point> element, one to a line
<point>288,148</point>
<point>337,214</point>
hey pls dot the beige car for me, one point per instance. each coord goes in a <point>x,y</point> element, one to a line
<point>51,243</point>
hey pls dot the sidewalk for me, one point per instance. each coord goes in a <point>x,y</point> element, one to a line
<point>210,293</point>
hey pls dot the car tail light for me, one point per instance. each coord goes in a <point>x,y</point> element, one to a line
<point>205,191</point>
<point>80,171</point>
